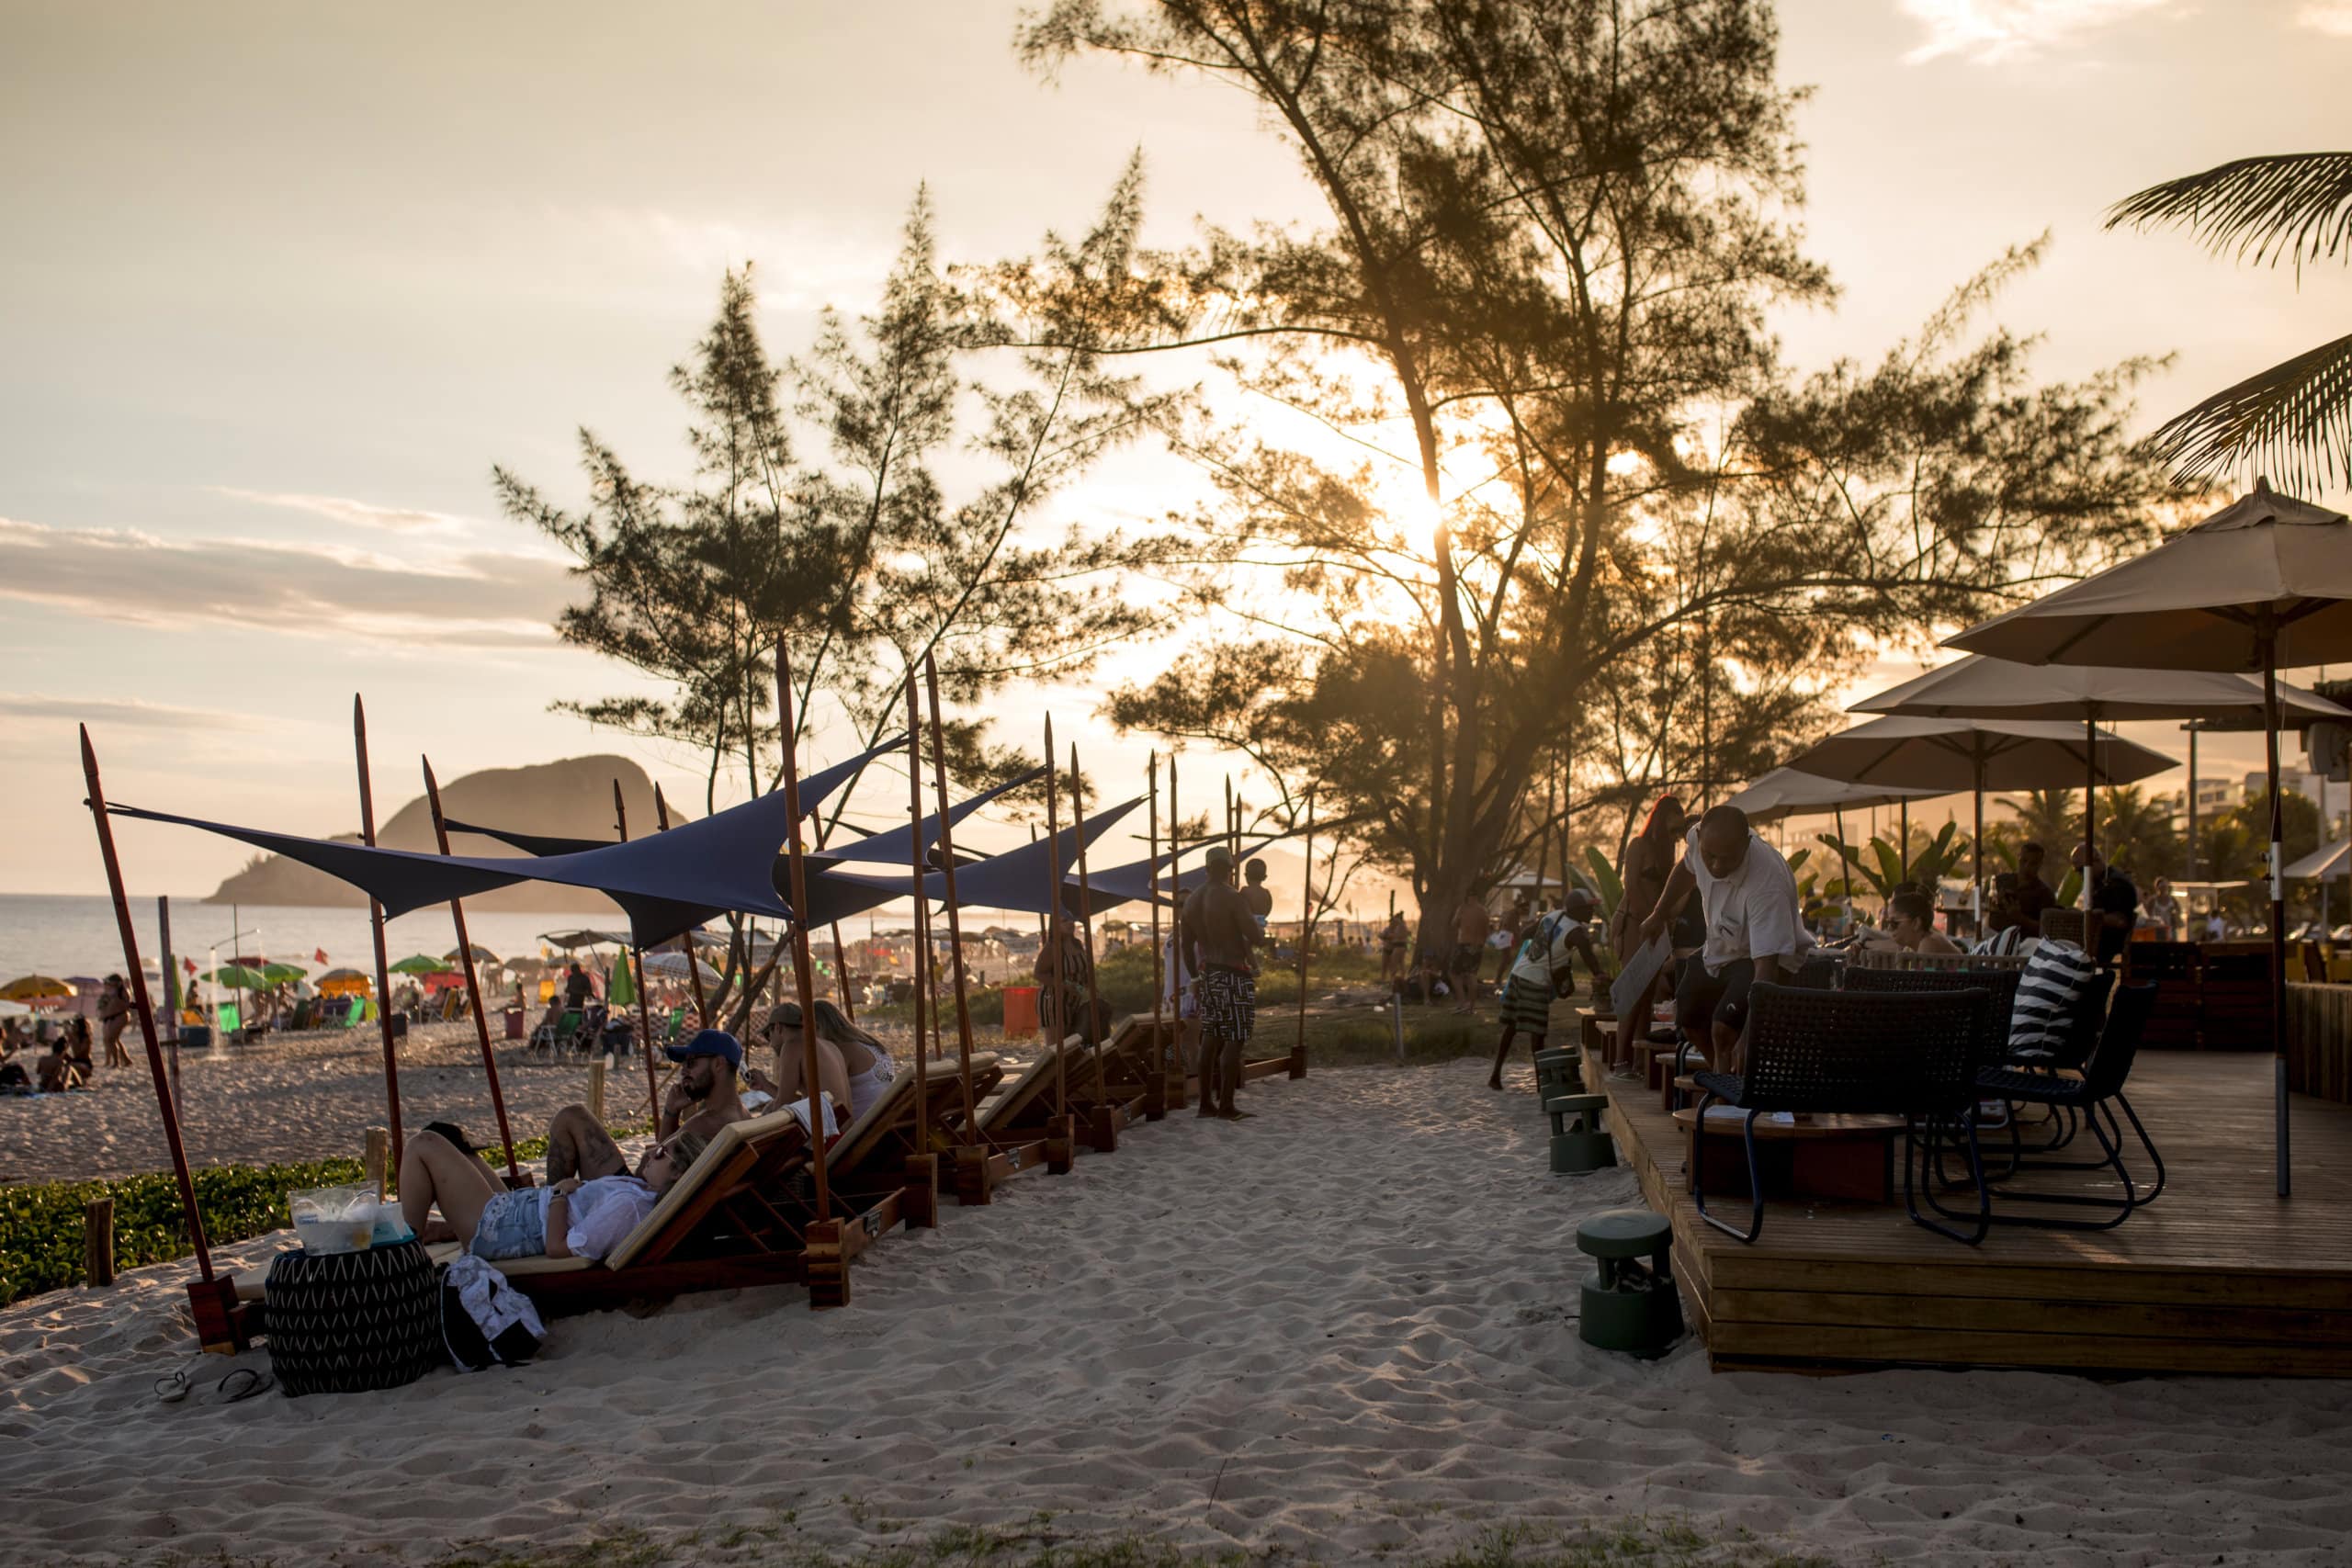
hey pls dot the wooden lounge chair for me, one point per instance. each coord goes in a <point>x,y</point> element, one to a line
<point>1017,1130</point>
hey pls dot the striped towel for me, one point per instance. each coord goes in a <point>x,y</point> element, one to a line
<point>2052,982</point>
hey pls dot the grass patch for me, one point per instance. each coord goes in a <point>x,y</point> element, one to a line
<point>41,1225</point>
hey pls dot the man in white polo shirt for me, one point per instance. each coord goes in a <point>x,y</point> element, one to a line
<point>1755,929</point>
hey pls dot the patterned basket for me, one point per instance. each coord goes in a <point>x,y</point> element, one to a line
<point>346,1322</point>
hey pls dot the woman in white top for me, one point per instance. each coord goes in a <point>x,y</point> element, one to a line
<point>570,1218</point>
<point>852,1065</point>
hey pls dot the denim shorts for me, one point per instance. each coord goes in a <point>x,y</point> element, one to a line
<point>513,1225</point>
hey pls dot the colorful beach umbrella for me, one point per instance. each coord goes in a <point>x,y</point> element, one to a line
<point>238,977</point>
<point>418,964</point>
<point>36,989</point>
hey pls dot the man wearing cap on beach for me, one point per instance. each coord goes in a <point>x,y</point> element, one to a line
<point>1219,933</point>
<point>705,1094</point>
<point>1545,971</point>
<point>1755,929</point>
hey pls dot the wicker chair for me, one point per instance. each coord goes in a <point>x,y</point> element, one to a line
<point>1859,1052</point>
<point>1997,987</point>
<point>2095,1096</point>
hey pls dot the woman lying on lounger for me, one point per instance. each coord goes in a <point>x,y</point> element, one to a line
<point>570,1218</point>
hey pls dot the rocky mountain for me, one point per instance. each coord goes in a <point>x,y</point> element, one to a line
<point>573,798</point>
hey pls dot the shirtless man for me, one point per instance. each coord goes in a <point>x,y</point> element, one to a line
<point>1218,936</point>
<point>1471,925</point>
<point>707,1093</point>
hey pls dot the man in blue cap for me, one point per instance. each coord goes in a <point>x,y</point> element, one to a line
<point>705,1094</point>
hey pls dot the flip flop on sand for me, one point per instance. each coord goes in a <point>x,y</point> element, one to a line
<point>238,1383</point>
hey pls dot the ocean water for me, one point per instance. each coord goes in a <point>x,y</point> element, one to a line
<point>67,935</point>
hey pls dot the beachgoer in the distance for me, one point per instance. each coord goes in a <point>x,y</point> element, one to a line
<point>1395,939</point>
<point>579,990</point>
<point>572,1216</point>
<point>55,1071</point>
<point>852,1065</point>
<point>1910,926</point>
<point>2034,895</point>
<point>2114,904</point>
<point>1067,994</point>
<point>1471,925</point>
<point>2162,909</point>
<point>1544,972</point>
<point>114,1017</point>
<point>78,1031</point>
<point>1255,893</point>
<point>1220,936</point>
<point>1505,938</point>
<point>1754,929</point>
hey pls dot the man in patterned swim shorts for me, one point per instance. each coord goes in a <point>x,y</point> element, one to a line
<point>1218,935</point>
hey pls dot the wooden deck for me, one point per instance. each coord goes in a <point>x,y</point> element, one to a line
<point>2218,1275</point>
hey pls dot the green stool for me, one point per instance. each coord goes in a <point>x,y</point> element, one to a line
<point>1585,1145</point>
<point>1558,1071</point>
<point>1628,1301</point>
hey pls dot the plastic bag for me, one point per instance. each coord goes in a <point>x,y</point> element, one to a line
<point>333,1219</point>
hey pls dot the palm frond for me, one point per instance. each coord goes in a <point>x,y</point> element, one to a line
<point>2263,208</point>
<point>2293,422</point>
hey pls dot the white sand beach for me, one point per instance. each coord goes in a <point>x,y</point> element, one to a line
<point>1344,1329</point>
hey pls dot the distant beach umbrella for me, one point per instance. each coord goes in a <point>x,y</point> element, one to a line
<point>239,978</point>
<point>418,964</point>
<point>482,956</point>
<point>36,989</point>
<point>282,974</point>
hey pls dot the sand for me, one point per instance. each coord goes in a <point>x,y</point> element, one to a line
<point>1344,1330</point>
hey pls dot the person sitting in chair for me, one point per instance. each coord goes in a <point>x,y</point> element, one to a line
<point>569,1217</point>
<point>1910,927</point>
<point>706,1095</point>
<point>852,1067</point>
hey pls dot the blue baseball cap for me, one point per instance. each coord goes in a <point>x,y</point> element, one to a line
<point>709,1043</point>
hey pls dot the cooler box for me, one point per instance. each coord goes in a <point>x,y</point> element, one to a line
<point>1020,1011</point>
<point>514,1020</point>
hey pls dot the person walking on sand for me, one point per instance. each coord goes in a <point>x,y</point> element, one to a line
<point>1471,925</point>
<point>1220,936</point>
<point>114,1017</point>
<point>1543,973</point>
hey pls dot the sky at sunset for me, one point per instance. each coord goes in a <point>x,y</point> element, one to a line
<point>280,284</point>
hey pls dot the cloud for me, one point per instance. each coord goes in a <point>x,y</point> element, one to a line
<point>1988,31</point>
<point>2327,17</point>
<point>479,599</point>
<point>123,712</point>
<point>362,514</point>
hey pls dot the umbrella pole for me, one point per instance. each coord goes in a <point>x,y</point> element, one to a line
<point>926,965</point>
<point>1159,960</point>
<point>637,960</point>
<point>145,1008</point>
<point>1305,932</point>
<point>807,982</point>
<point>841,953</point>
<point>954,915</point>
<point>1104,1133</point>
<point>1976,846</point>
<point>376,927</point>
<point>693,964</point>
<point>473,984</point>
<point>1054,935</point>
<point>2090,805</point>
<point>2278,895</point>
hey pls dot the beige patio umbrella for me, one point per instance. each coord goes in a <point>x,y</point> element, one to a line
<point>2262,584</point>
<point>1979,687</point>
<point>1785,792</point>
<point>1955,755</point>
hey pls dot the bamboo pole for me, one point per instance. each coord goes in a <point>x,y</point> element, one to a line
<point>955,913</point>
<point>924,961</point>
<point>1086,915</point>
<point>1053,921</point>
<point>801,973</point>
<point>171,992</point>
<point>376,930</point>
<point>473,982</point>
<point>636,958</point>
<point>841,958</point>
<point>144,1006</point>
<point>693,964</point>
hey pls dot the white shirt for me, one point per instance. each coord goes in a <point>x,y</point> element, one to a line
<point>600,1214</point>
<point>1754,912</point>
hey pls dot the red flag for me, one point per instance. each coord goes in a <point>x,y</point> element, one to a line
<point>189,963</point>
<point>318,955</point>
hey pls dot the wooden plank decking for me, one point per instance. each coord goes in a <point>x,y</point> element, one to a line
<point>2218,1275</point>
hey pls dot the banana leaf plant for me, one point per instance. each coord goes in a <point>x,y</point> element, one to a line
<point>1885,868</point>
<point>1602,883</point>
